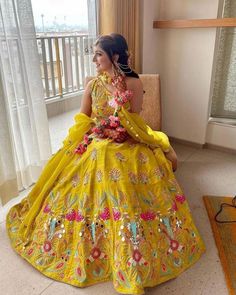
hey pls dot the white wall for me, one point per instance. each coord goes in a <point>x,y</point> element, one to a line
<point>184,59</point>
<point>223,135</point>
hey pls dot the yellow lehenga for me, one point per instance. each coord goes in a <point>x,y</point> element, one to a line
<point>115,212</point>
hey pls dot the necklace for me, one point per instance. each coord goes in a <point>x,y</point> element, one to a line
<point>105,78</point>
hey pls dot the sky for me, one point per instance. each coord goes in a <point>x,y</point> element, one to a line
<point>71,12</point>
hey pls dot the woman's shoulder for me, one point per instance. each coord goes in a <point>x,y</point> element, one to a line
<point>90,83</point>
<point>90,80</point>
<point>134,83</point>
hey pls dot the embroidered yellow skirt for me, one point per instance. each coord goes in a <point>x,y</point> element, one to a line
<point>114,213</point>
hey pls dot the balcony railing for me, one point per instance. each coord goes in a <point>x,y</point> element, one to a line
<point>65,61</point>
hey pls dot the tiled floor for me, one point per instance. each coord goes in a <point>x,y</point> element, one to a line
<point>200,172</point>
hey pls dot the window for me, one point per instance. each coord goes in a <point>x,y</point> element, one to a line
<point>224,85</point>
<point>65,35</point>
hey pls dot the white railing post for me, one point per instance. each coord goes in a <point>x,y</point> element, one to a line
<point>64,63</point>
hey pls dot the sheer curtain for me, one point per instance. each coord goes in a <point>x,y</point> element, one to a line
<point>24,133</point>
<point>92,32</point>
<point>224,85</point>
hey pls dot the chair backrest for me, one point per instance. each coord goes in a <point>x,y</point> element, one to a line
<point>151,108</point>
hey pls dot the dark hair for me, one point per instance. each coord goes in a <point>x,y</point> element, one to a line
<point>116,44</point>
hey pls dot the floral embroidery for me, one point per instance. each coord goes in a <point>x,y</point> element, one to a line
<point>137,258</point>
<point>143,159</point>
<point>62,180</point>
<point>47,209</point>
<point>69,200</point>
<point>114,174</point>
<point>143,178</point>
<point>30,251</point>
<point>79,217</point>
<point>86,179</point>
<point>105,215</point>
<point>94,154</point>
<point>148,215</point>
<point>174,245</point>
<point>75,180</point>
<point>73,215</point>
<point>174,206</point>
<point>180,198</point>
<point>116,214</point>
<point>133,177</point>
<point>158,172</point>
<point>120,157</point>
<point>99,175</point>
<point>96,253</point>
<point>47,246</point>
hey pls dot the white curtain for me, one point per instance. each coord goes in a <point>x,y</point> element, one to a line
<point>24,134</point>
<point>224,84</point>
<point>92,32</point>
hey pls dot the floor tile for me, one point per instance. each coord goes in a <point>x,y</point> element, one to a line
<point>18,277</point>
<point>98,289</point>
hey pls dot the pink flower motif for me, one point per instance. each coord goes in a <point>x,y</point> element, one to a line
<point>174,206</point>
<point>104,123</point>
<point>81,149</point>
<point>60,265</point>
<point>97,130</point>
<point>95,253</point>
<point>180,198</point>
<point>47,246</point>
<point>114,121</point>
<point>71,215</point>
<point>148,215</point>
<point>174,245</point>
<point>121,276</point>
<point>116,214</point>
<point>31,250</point>
<point>105,215</point>
<point>46,209</point>
<point>137,255</point>
<point>79,271</point>
<point>79,217</point>
<point>163,266</point>
<point>120,129</point>
<point>86,138</point>
<point>122,97</point>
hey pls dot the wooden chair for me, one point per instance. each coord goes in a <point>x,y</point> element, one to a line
<point>151,108</point>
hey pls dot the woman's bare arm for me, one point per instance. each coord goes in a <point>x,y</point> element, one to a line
<point>136,86</point>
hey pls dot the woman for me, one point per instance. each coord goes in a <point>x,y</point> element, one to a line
<point>107,205</point>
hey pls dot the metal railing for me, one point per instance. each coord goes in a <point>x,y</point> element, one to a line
<point>64,61</point>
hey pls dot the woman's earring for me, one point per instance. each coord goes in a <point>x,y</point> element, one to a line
<point>114,70</point>
<point>130,60</point>
<point>118,69</point>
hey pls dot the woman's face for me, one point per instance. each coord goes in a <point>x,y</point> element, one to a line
<point>101,60</point>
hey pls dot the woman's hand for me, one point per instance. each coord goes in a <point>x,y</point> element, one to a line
<point>115,135</point>
<point>171,156</point>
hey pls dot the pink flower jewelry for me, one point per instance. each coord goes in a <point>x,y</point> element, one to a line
<point>114,121</point>
<point>110,127</point>
<point>120,98</point>
<point>82,147</point>
<point>123,97</point>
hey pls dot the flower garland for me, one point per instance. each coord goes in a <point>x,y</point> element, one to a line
<point>109,127</point>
